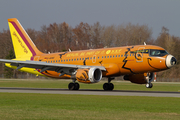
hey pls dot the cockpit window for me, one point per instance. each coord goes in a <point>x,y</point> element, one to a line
<point>157,52</point>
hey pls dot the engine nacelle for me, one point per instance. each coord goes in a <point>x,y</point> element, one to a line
<point>92,75</point>
<point>140,78</point>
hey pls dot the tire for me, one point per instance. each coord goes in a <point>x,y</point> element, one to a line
<point>76,86</point>
<point>111,86</point>
<point>151,85</point>
<point>106,86</point>
<point>71,86</point>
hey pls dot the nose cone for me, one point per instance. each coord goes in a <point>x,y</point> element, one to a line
<point>170,61</point>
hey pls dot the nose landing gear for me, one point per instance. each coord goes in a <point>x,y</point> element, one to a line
<point>149,78</point>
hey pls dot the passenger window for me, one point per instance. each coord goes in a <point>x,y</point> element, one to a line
<point>82,58</point>
<point>119,56</point>
<point>104,56</point>
<point>107,56</point>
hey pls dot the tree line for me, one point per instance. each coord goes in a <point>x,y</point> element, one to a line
<point>61,37</point>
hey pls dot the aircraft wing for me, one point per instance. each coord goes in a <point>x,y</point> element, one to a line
<point>65,68</point>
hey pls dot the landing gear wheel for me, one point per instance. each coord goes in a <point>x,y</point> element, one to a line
<point>108,86</point>
<point>149,85</point>
<point>76,86</point>
<point>73,86</point>
<point>111,86</point>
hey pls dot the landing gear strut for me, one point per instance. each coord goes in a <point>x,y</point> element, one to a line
<point>73,85</point>
<point>108,86</point>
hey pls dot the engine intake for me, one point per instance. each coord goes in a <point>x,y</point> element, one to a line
<point>92,75</point>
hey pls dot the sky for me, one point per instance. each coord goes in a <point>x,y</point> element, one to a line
<point>36,13</point>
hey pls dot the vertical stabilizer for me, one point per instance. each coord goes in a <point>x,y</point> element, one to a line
<point>22,43</point>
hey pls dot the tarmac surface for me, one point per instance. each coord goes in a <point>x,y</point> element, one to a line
<point>90,92</point>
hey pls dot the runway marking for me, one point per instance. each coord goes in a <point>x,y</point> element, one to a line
<point>90,92</point>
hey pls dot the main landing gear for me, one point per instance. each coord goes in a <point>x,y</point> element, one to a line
<point>73,85</point>
<point>108,86</point>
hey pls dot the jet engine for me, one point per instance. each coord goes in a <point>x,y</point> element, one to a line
<point>140,78</point>
<point>92,75</point>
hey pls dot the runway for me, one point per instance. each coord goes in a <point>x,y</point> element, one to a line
<point>90,92</point>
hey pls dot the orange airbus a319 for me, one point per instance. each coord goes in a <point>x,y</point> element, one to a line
<point>136,63</point>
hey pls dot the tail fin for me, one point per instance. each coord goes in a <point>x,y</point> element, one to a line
<point>22,43</point>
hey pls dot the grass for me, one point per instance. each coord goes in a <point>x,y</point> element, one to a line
<point>64,83</point>
<point>20,106</point>
<point>28,106</point>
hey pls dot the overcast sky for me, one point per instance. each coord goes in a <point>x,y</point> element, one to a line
<point>36,13</point>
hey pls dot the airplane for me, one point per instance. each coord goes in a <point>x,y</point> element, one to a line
<point>137,63</point>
